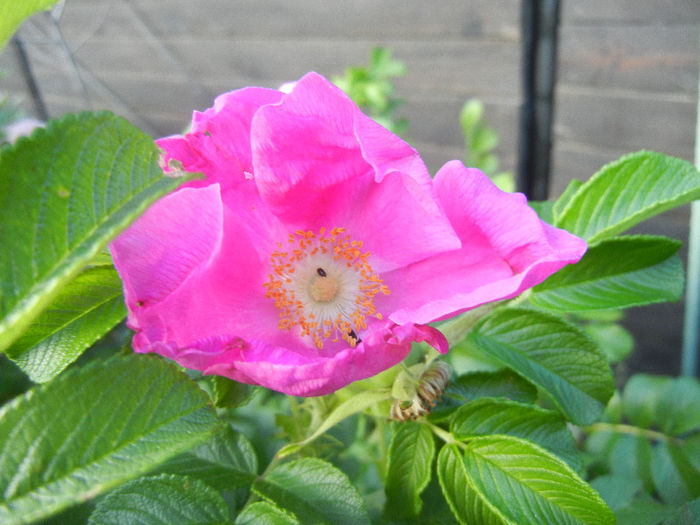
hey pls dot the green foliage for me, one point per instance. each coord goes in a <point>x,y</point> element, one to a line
<point>480,140</point>
<point>93,429</point>
<point>314,492</point>
<point>83,311</point>
<point>371,89</point>
<point>64,194</point>
<point>554,355</point>
<point>626,192</point>
<point>411,455</point>
<point>617,273</point>
<point>161,500</point>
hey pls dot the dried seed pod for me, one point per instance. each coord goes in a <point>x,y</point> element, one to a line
<point>431,385</point>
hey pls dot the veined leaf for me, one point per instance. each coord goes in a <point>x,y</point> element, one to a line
<point>64,193</point>
<point>628,191</point>
<point>504,470</point>
<point>554,355</point>
<point>12,14</point>
<point>565,197</point>
<point>226,461</point>
<point>262,513</point>
<point>314,491</point>
<point>92,429</point>
<point>545,428</point>
<point>617,273</point>
<point>468,505</point>
<point>411,453</point>
<point>83,311</point>
<point>161,500</point>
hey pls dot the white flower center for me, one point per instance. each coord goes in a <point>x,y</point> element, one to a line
<point>323,284</point>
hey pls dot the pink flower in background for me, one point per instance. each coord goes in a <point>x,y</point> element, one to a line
<point>318,247</point>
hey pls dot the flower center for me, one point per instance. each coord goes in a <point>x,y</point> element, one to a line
<point>324,284</point>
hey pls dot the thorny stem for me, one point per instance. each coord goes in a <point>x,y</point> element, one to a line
<point>621,428</point>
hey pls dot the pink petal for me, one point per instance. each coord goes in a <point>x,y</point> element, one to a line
<point>506,249</point>
<point>279,368</point>
<point>219,142</point>
<point>160,250</point>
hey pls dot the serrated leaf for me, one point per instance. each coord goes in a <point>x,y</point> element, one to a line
<point>552,354</point>
<point>262,513</point>
<point>226,461</point>
<point>559,205</point>
<point>12,14</point>
<point>617,273</point>
<point>467,505</point>
<point>411,453</point>
<point>64,193</point>
<point>676,477</point>
<point>84,310</point>
<point>92,429</point>
<point>504,469</point>
<point>314,491</point>
<point>545,428</point>
<point>628,191</point>
<point>501,383</point>
<point>161,500</point>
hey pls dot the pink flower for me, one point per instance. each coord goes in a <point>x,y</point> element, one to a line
<point>318,247</point>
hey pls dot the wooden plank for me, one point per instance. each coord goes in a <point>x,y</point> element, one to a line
<point>625,122</point>
<point>304,19</point>
<point>646,58</point>
<point>631,12</point>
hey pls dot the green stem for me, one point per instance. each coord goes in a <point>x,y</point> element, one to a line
<point>444,435</point>
<point>621,428</point>
<point>456,330</point>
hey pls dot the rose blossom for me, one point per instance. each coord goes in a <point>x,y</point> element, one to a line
<point>317,246</point>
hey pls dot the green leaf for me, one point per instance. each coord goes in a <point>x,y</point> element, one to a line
<point>641,397</point>
<point>559,205</point>
<point>92,429</point>
<point>614,340</point>
<point>501,383</point>
<point>643,512</point>
<point>161,500</point>
<point>13,13</point>
<point>678,406</point>
<point>545,428</point>
<point>64,193</point>
<point>504,470</point>
<point>262,513</point>
<point>84,310</point>
<point>314,491</point>
<point>676,476</point>
<point>357,403</point>
<point>628,191</point>
<point>411,453</point>
<point>552,354</point>
<point>617,491</point>
<point>225,462</point>
<point>687,514</point>
<point>631,457</point>
<point>468,506</point>
<point>617,273</point>
<point>227,393</point>
<point>543,209</point>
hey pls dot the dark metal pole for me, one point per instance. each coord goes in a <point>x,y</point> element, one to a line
<point>540,21</point>
<point>39,105</point>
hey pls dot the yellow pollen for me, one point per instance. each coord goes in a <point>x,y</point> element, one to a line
<point>323,284</point>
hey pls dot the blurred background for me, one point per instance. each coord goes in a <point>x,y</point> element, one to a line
<point>626,79</point>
